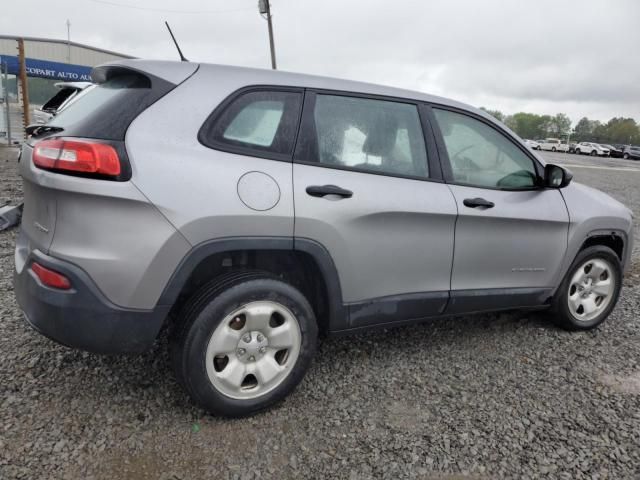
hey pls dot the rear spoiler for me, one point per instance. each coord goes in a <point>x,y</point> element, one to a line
<point>172,72</point>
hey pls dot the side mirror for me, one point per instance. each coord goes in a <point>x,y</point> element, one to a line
<point>556,176</point>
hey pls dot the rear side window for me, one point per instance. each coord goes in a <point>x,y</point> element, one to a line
<point>369,135</point>
<point>258,122</point>
<point>105,111</point>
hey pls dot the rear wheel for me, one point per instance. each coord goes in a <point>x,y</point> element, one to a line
<point>553,149</point>
<point>626,156</point>
<point>246,341</point>
<point>589,291</point>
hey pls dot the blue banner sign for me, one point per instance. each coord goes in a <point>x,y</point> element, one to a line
<point>47,69</point>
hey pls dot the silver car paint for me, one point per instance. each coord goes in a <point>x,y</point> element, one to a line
<point>109,229</point>
<point>520,242</point>
<point>397,239</point>
<point>393,236</point>
<point>195,187</point>
<point>594,212</point>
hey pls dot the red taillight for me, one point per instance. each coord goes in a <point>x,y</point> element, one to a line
<point>77,156</point>
<point>51,278</point>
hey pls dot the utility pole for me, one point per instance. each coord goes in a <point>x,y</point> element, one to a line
<point>265,11</point>
<point>68,41</point>
<point>23,83</point>
<point>5,94</point>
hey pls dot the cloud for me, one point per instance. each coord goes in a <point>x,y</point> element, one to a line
<point>578,57</point>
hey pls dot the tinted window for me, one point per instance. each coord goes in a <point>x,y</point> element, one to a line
<point>365,134</point>
<point>265,121</point>
<point>481,156</point>
<point>106,110</point>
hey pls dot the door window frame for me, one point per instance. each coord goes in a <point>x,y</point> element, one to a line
<point>444,154</point>
<point>248,151</point>
<point>307,125</point>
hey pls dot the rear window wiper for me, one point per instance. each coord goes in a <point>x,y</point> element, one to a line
<point>38,130</point>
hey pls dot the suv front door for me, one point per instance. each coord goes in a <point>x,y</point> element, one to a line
<point>511,234</point>
<point>368,188</point>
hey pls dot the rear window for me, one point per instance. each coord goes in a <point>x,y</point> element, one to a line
<point>106,110</point>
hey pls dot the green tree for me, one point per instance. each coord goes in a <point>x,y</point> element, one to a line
<point>622,130</point>
<point>583,130</point>
<point>528,125</point>
<point>497,114</point>
<point>559,126</point>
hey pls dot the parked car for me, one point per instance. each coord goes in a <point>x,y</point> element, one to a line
<point>593,149</point>
<point>284,206</point>
<point>631,152</point>
<point>67,91</point>
<point>532,143</point>
<point>613,151</point>
<point>554,145</point>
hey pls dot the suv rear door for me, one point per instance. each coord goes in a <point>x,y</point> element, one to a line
<point>511,234</point>
<point>368,188</point>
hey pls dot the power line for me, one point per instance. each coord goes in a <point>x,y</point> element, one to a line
<point>165,10</point>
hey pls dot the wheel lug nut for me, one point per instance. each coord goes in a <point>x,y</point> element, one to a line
<point>247,338</point>
<point>260,338</point>
<point>241,351</point>
<point>263,349</point>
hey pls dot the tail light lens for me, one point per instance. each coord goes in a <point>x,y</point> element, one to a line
<point>50,278</point>
<point>73,155</point>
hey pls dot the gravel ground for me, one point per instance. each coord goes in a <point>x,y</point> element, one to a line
<point>482,397</point>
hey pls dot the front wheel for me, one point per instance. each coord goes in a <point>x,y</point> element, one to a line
<point>578,151</point>
<point>553,149</point>
<point>626,156</point>
<point>589,291</point>
<point>246,341</point>
<point>594,153</point>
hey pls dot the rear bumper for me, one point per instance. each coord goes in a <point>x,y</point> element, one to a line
<point>81,317</point>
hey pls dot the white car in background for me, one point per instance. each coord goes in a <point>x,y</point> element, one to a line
<point>593,149</point>
<point>532,144</point>
<point>66,94</point>
<point>554,145</point>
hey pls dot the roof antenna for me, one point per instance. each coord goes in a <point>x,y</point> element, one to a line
<point>182,57</point>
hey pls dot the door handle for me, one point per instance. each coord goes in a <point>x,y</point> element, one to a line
<point>477,202</point>
<point>323,190</point>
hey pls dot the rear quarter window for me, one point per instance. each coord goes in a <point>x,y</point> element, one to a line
<point>261,123</point>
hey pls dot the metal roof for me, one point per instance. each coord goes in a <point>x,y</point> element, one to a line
<point>64,42</point>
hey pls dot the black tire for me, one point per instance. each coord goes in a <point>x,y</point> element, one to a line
<point>553,149</point>
<point>560,312</point>
<point>625,156</point>
<point>594,153</point>
<point>206,309</point>
<point>577,151</point>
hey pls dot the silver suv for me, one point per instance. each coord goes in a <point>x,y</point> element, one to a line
<point>249,211</point>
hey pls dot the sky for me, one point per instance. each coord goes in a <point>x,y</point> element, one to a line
<point>579,57</point>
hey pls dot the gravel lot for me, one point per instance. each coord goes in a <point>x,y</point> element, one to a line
<point>482,397</point>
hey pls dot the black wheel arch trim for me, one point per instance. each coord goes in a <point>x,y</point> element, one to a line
<point>337,311</point>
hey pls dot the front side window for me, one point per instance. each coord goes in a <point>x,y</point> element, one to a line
<point>369,135</point>
<point>264,121</point>
<point>481,156</point>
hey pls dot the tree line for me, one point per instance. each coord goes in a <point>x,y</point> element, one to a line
<point>618,130</point>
